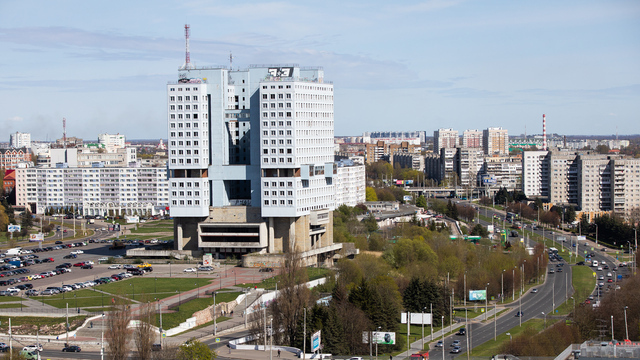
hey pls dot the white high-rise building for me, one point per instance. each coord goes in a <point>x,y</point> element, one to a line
<point>251,161</point>
<point>19,140</point>
<point>112,142</point>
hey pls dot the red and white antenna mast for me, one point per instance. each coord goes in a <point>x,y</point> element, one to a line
<point>187,59</point>
<point>64,132</point>
<point>544,132</point>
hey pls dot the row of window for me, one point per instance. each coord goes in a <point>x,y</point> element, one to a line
<point>276,184</point>
<point>273,96</point>
<point>187,152</point>
<point>273,114</point>
<point>182,193</point>
<point>186,98</point>
<point>275,193</point>
<point>273,160</point>
<point>185,89</point>
<point>273,105</point>
<point>186,107</point>
<point>187,143</point>
<point>188,202</point>
<point>273,151</point>
<point>188,161</point>
<point>187,134</point>
<point>273,133</point>
<point>180,125</point>
<point>275,202</point>
<point>273,123</point>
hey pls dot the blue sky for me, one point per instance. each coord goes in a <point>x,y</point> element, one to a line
<point>414,65</point>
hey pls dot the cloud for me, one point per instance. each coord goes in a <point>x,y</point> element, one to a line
<point>15,119</point>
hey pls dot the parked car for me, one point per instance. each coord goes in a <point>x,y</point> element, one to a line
<point>115,266</point>
<point>77,252</point>
<point>48,292</point>
<point>189,270</point>
<point>87,266</point>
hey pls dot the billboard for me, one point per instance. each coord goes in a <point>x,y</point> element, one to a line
<point>315,341</point>
<point>383,337</point>
<point>207,260</point>
<point>416,318</point>
<point>36,237</point>
<point>488,179</point>
<point>13,228</point>
<point>477,295</point>
<point>407,198</point>
<point>399,182</point>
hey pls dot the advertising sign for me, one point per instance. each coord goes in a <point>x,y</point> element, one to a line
<point>407,198</point>
<point>315,341</point>
<point>416,318</point>
<point>399,182</point>
<point>408,182</point>
<point>383,337</point>
<point>13,228</point>
<point>207,260</point>
<point>477,295</point>
<point>489,180</point>
<point>36,237</point>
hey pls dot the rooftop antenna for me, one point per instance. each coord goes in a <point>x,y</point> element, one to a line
<point>544,132</point>
<point>187,60</point>
<point>64,132</point>
<point>230,61</point>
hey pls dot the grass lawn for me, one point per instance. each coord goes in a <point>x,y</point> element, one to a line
<point>583,283</point>
<point>9,299</point>
<point>151,230</point>
<point>186,309</point>
<point>17,321</point>
<point>491,347</point>
<point>151,288</point>
<point>313,273</point>
<point>11,305</point>
<point>83,298</point>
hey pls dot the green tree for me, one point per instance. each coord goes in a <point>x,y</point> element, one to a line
<point>479,230</point>
<point>195,350</point>
<point>421,202</point>
<point>570,214</point>
<point>370,194</point>
<point>602,149</point>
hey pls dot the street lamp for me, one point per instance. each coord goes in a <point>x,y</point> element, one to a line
<point>179,302</point>
<point>442,338</point>
<point>377,343</point>
<point>198,290</point>
<point>625,322</point>
<point>545,319</point>
<point>596,235</point>
<point>76,299</point>
<point>509,335</point>
<point>513,291</point>
<point>502,287</point>
<point>156,282</point>
<point>486,301</point>
<point>215,324</point>
<point>133,291</point>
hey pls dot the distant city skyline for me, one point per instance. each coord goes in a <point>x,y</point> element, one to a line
<point>415,66</point>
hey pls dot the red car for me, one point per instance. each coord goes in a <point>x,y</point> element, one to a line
<point>78,264</point>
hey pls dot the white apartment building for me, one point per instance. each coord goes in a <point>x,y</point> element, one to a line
<point>94,191</point>
<point>592,182</point>
<point>495,141</point>
<point>251,166</point>
<point>506,170</point>
<point>444,138</point>
<point>20,140</point>
<point>350,185</point>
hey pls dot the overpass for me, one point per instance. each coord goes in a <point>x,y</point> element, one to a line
<point>443,192</point>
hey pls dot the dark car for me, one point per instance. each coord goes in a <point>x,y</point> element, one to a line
<point>58,242</point>
<point>519,314</point>
<point>87,266</point>
<point>70,256</point>
<point>72,348</point>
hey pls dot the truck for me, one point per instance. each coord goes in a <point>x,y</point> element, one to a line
<point>117,245</point>
<point>15,251</point>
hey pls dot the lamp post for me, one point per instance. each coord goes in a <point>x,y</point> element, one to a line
<point>215,323</point>
<point>102,339</point>
<point>596,235</point>
<point>133,291</point>
<point>422,321</point>
<point>486,301</point>
<point>377,342</point>
<point>502,287</point>
<point>442,338</point>
<point>625,322</point>
<point>156,287</point>
<point>545,319</point>
<point>513,292</point>
<point>197,290</point>
<point>179,302</point>
<point>76,300</point>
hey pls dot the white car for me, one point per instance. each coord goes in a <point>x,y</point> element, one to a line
<point>190,270</point>
<point>77,252</point>
<point>103,259</point>
<point>89,262</point>
<point>115,266</point>
<point>32,348</point>
<point>13,290</point>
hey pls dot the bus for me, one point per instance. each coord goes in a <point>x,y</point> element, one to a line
<point>511,216</point>
<point>553,251</point>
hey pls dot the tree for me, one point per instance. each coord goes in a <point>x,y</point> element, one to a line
<point>421,202</point>
<point>287,309</point>
<point>143,333</point>
<point>195,350</point>
<point>602,149</point>
<point>570,214</point>
<point>479,230</point>
<point>117,332</point>
<point>370,194</point>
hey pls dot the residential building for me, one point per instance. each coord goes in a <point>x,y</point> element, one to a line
<point>94,191</point>
<point>495,141</point>
<point>445,138</point>
<point>472,139</point>
<point>20,140</point>
<point>251,162</point>
<point>112,142</point>
<point>505,171</point>
<point>11,157</point>
<point>395,137</point>
<point>350,183</point>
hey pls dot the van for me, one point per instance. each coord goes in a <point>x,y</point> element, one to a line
<point>594,263</point>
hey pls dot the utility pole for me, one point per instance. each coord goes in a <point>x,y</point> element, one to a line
<point>67,326</point>
<point>215,324</point>
<point>304,336</point>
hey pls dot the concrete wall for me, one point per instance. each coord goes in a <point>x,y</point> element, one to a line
<point>266,260</point>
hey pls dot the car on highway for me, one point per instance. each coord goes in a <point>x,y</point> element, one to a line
<point>533,291</point>
<point>551,271</point>
<point>455,343</point>
<point>189,270</point>
<point>462,331</point>
<point>34,347</point>
<point>519,314</point>
<point>439,343</point>
<point>456,350</point>
<point>72,348</point>
<point>601,277</point>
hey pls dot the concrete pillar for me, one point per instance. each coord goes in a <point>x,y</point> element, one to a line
<point>270,236</point>
<point>179,236</point>
<point>292,234</point>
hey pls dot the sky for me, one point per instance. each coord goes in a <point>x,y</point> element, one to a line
<point>395,66</point>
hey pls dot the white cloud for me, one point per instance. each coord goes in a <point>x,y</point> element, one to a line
<point>15,118</point>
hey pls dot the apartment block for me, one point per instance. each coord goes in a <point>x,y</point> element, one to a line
<point>445,138</point>
<point>350,183</point>
<point>495,141</point>
<point>94,191</point>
